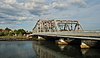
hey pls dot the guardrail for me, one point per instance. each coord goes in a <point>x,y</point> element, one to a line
<point>79,33</point>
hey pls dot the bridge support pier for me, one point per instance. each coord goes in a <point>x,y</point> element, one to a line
<point>92,43</point>
<point>71,41</point>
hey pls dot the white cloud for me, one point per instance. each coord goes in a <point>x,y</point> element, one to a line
<point>81,3</point>
<point>65,4</point>
<point>40,7</point>
<point>14,10</point>
<point>59,5</point>
<point>10,1</point>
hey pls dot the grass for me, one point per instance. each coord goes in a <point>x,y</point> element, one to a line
<point>18,38</point>
<point>13,38</point>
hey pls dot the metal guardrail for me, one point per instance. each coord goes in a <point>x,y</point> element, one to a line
<point>72,34</point>
<point>81,33</point>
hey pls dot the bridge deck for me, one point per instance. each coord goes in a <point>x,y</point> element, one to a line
<point>72,34</point>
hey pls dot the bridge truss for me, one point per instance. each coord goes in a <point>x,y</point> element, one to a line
<point>57,25</point>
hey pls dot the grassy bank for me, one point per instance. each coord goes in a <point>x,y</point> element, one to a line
<point>18,38</point>
<point>13,38</point>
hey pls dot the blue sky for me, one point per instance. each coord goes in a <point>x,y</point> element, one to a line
<point>17,14</point>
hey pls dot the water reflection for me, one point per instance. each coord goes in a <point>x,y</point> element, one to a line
<point>44,49</point>
<point>51,50</point>
<point>16,49</point>
<point>91,53</point>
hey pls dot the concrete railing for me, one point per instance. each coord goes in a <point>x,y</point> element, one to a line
<point>73,33</point>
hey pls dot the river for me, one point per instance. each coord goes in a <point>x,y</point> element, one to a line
<point>44,49</point>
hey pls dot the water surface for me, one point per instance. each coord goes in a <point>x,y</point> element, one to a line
<point>44,49</point>
<point>16,49</point>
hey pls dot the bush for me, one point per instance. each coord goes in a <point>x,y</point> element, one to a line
<point>1,33</point>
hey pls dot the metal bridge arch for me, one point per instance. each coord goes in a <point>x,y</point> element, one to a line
<point>57,25</point>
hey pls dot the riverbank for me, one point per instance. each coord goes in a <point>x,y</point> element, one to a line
<point>19,38</point>
<point>8,38</point>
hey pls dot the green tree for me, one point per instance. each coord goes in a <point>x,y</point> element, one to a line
<point>20,31</point>
<point>11,33</point>
<point>7,29</point>
<point>6,33</point>
<point>1,33</point>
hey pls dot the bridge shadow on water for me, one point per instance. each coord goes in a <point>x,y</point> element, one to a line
<point>48,49</point>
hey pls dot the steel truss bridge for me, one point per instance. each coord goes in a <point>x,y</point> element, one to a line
<point>67,29</point>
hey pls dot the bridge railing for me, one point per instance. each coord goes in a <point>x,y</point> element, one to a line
<point>73,33</point>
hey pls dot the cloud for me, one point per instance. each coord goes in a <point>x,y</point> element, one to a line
<point>26,10</point>
<point>80,3</point>
<point>66,4</point>
<point>10,1</point>
<point>9,22</point>
<point>40,7</point>
<point>15,7</point>
<point>9,12</point>
<point>59,5</point>
<point>35,7</point>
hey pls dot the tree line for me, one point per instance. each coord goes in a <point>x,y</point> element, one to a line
<point>10,32</point>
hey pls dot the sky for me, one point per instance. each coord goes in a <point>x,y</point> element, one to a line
<point>23,14</point>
